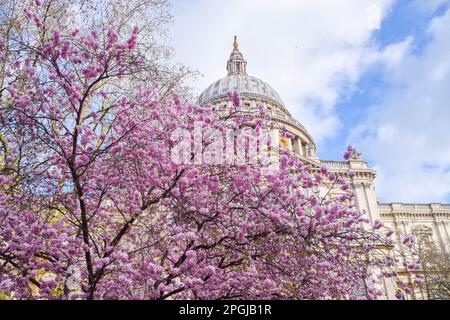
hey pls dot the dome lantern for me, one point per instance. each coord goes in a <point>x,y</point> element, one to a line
<point>236,64</point>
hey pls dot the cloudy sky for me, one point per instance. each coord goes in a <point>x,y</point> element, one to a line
<point>374,74</point>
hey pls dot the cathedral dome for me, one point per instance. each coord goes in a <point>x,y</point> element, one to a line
<point>253,92</point>
<point>239,80</point>
<point>247,86</point>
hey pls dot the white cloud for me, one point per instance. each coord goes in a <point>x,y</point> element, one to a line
<point>408,136</point>
<point>429,6</point>
<point>311,52</point>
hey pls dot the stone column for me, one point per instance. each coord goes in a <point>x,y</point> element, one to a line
<point>364,189</point>
<point>440,232</point>
<point>296,146</point>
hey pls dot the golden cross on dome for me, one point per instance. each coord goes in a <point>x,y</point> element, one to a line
<point>235,44</point>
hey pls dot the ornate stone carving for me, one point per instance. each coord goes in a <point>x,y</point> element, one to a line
<point>422,230</point>
<point>356,155</point>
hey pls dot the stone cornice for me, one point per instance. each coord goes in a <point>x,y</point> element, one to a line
<point>414,211</point>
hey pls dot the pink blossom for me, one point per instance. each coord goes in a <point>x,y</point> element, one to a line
<point>116,149</point>
<point>377,224</point>
<point>348,153</point>
<point>235,98</point>
<point>56,37</point>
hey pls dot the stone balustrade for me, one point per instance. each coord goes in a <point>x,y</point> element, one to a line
<point>332,164</point>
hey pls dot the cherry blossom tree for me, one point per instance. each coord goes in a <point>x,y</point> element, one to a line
<point>93,205</point>
<point>426,267</point>
<point>153,17</point>
<point>436,268</point>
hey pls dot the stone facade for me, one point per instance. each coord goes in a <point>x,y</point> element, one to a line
<point>430,220</point>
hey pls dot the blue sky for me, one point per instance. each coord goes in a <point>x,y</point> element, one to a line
<point>374,74</point>
<point>404,20</point>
